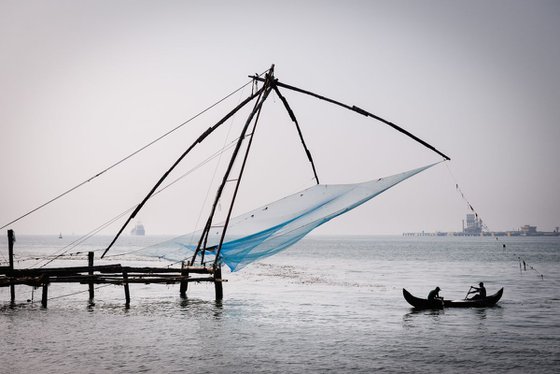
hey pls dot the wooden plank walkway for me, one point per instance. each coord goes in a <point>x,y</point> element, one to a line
<point>106,274</point>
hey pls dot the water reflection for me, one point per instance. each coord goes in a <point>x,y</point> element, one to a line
<point>191,306</point>
<point>481,313</point>
<point>415,316</point>
<point>454,316</point>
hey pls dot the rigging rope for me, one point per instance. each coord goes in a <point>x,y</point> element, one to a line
<point>127,157</point>
<point>210,158</point>
<point>484,227</point>
<point>254,88</point>
<point>82,239</point>
<point>76,293</point>
<point>200,139</point>
<point>63,251</point>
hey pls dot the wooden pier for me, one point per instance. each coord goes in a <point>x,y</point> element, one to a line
<point>105,274</point>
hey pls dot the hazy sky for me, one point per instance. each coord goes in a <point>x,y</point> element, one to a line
<point>85,83</point>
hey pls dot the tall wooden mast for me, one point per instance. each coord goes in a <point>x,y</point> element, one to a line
<point>255,113</point>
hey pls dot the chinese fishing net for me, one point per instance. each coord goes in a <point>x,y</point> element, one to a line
<point>274,227</point>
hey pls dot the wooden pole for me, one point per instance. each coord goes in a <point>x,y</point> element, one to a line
<point>90,272</point>
<point>11,240</point>
<point>467,295</point>
<point>126,290</point>
<point>184,283</point>
<point>164,176</point>
<point>45,293</point>
<point>294,119</point>
<point>263,94</point>
<point>218,282</point>
<point>256,112</point>
<point>357,110</point>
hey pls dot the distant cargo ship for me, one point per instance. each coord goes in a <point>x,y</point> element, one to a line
<point>138,230</point>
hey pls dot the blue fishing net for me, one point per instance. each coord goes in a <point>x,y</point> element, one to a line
<point>274,227</point>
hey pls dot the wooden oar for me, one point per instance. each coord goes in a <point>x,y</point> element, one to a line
<point>468,292</point>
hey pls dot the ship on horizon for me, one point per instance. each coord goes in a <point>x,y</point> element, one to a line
<point>138,229</point>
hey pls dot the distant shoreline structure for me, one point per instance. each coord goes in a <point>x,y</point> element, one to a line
<point>474,227</point>
<point>485,233</point>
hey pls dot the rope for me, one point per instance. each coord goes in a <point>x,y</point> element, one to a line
<point>125,158</point>
<point>19,259</point>
<point>82,239</point>
<point>210,158</point>
<point>63,251</point>
<point>484,227</point>
<point>77,292</point>
<point>253,90</point>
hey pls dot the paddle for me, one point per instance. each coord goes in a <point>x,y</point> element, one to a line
<point>468,292</point>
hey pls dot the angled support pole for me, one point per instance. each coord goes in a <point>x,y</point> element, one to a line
<point>360,111</point>
<point>294,119</point>
<point>160,181</point>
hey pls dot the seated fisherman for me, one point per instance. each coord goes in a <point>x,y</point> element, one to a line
<point>434,294</point>
<point>480,291</point>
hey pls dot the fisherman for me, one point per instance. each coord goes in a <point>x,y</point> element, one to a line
<point>434,294</point>
<point>480,292</point>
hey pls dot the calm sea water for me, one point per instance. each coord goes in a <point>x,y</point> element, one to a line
<point>325,305</point>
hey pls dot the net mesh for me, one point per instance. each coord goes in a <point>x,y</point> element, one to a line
<point>274,227</point>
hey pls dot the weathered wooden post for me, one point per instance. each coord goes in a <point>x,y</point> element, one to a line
<point>126,290</point>
<point>184,283</point>
<point>218,282</point>
<point>45,292</point>
<point>11,240</point>
<point>90,272</point>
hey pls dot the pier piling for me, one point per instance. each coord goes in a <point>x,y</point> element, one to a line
<point>126,290</point>
<point>90,272</point>
<point>11,239</point>
<point>218,282</point>
<point>45,295</point>
<point>184,283</point>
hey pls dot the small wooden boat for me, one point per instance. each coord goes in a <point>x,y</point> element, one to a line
<point>419,303</point>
